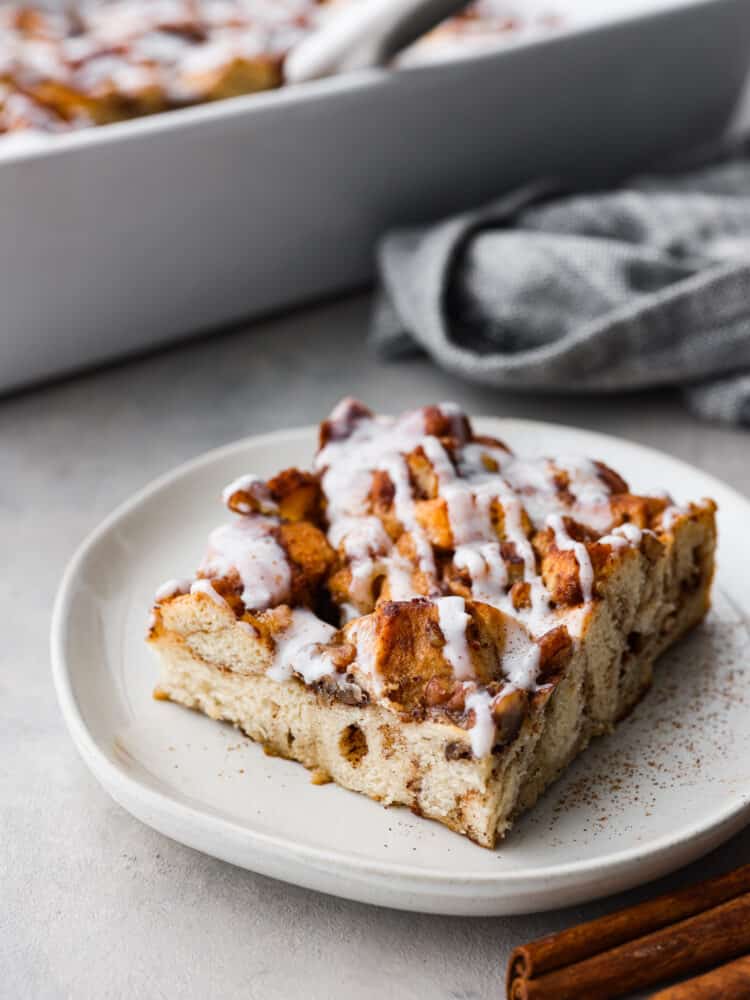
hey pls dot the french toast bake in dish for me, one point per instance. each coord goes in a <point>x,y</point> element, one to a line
<point>430,619</point>
<point>104,61</point>
<point>96,63</point>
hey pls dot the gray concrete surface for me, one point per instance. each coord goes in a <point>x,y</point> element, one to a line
<point>92,903</point>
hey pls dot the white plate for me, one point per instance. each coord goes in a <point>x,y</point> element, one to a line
<point>671,784</point>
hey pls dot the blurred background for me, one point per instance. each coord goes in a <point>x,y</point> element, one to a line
<point>142,225</point>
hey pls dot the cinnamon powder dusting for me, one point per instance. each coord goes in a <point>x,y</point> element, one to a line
<point>687,724</point>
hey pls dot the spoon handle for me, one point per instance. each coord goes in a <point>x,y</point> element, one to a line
<point>367,33</point>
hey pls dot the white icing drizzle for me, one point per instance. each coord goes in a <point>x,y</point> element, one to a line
<point>564,542</point>
<point>451,408</point>
<point>584,481</point>
<point>374,444</point>
<point>400,583</point>
<point>520,665</point>
<point>482,733</point>
<point>297,649</point>
<point>472,456</point>
<point>486,566</point>
<point>520,662</point>
<point>365,543</point>
<point>520,657</point>
<point>514,530</point>
<point>203,586</point>
<point>362,537</point>
<point>171,588</point>
<point>439,460</point>
<point>529,476</point>
<point>473,480</point>
<point>534,479</point>
<point>247,484</point>
<point>110,72</point>
<point>470,482</point>
<point>623,535</point>
<point>248,547</point>
<point>403,503</point>
<point>469,502</point>
<point>453,619</point>
<point>158,47</point>
<point>614,541</point>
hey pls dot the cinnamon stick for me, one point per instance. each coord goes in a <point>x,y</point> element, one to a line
<point>585,940</point>
<point>728,982</point>
<point>699,942</point>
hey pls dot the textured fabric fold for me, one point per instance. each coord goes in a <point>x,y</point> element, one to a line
<point>644,286</point>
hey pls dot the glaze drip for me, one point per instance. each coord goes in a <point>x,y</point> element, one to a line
<point>300,649</point>
<point>564,543</point>
<point>248,547</point>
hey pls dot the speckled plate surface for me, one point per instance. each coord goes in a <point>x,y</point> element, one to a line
<point>671,784</point>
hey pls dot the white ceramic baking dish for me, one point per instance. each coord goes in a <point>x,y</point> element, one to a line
<point>118,239</point>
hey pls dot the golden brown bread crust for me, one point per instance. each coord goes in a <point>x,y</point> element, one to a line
<point>343,421</point>
<point>310,558</point>
<point>409,659</point>
<point>292,494</point>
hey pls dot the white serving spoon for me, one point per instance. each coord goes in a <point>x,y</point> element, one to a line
<point>363,34</point>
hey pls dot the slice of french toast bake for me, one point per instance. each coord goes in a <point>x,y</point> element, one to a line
<point>428,618</point>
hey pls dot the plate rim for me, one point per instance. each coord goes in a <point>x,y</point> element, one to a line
<point>728,820</point>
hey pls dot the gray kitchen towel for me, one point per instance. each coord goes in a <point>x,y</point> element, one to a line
<point>644,286</point>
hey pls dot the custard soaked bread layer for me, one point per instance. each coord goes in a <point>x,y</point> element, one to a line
<point>430,619</point>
